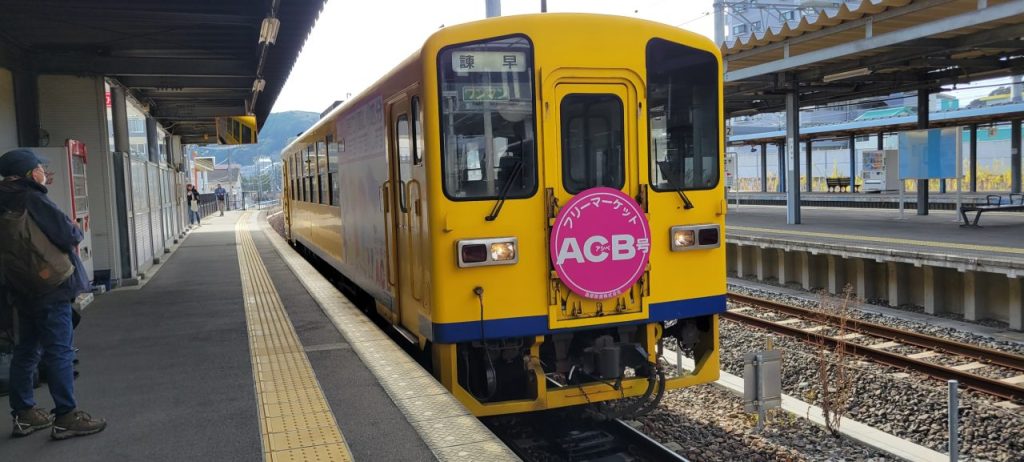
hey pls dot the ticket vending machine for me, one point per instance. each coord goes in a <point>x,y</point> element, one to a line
<point>880,171</point>
<point>68,188</point>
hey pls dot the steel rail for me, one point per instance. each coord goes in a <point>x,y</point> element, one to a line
<point>979,353</point>
<point>984,384</point>
<point>648,446</point>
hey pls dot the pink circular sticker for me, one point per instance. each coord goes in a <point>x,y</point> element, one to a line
<point>600,243</point>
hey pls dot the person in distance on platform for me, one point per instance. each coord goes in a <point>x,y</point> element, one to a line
<point>221,197</point>
<point>44,318</point>
<point>192,198</point>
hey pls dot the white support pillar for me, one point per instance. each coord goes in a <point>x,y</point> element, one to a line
<point>759,263</point>
<point>897,293</point>
<point>861,278</point>
<point>971,296</point>
<point>781,273</point>
<point>928,273</point>
<point>835,267</point>
<point>805,270</point>
<point>740,268</point>
<point>1015,304</point>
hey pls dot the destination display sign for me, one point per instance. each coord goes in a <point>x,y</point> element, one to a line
<point>488,61</point>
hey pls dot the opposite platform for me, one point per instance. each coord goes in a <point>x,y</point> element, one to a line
<point>928,261</point>
<point>937,235</point>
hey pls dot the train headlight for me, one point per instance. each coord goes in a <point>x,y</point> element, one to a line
<point>682,238</point>
<point>486,252</point>
<point>503,251</point>
<point>694,237</point>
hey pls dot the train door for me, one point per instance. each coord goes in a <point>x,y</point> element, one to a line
<point>401,211</point>
<point>591,126</point>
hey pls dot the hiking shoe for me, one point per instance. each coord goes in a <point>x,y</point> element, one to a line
<point>76,423</point>
<point>28,421</point>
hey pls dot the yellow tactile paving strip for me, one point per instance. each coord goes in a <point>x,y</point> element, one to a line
<point>447,428</point>
<point>296,422</point>
<point>881,240</point>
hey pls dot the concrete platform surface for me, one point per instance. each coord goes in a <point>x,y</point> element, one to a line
<point>171,367</point>
<point>1000,237</point>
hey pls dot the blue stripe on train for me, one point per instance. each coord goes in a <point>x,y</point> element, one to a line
<point>538,325</point>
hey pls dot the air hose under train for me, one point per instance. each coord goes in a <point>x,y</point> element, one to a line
<point>637,406</point>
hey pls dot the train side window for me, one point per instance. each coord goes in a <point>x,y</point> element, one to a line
<point>332,171</point>
<point>321,161</point>
<point>404,146</point>
<point>487,119</point>
<point>307,177</point>
<point>314,174</point>
<point>682,111</point>
<point>417,131</point>
<point>592,142</point>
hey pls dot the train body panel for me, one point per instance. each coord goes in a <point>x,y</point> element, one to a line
<point>446,179</point>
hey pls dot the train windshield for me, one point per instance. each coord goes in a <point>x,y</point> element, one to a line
<point>487,119</point>
<point>682,102</point>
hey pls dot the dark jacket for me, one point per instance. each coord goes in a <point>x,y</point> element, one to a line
<point>61,231</point>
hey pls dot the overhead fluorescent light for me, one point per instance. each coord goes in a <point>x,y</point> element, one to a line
<point>846,74</point>
<point>268,30</point>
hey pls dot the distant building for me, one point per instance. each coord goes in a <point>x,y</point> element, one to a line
<point>227,175</point>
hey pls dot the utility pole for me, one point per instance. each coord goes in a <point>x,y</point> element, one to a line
<point>493,8</point>
<point>259,184</point>
<point>719,22</point>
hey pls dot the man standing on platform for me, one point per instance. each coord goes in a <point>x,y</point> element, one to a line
<point>40,238</point>
<point>221,197</point>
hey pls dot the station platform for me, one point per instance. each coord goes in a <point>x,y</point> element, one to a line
<point>928,263</point>
<point>237,349</point>
<point>882,200</point>
<point>1001,236</point>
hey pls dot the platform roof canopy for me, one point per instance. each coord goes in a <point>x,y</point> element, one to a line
<point>875,47</point>
<point>188,60</point>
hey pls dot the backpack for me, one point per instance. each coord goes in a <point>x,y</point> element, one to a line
<point>29,262</point>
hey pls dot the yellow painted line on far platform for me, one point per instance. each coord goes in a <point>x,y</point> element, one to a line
<point>881,240</point>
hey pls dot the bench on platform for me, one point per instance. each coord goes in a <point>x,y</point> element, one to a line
<point>993,203</point>
<point>840,183</point>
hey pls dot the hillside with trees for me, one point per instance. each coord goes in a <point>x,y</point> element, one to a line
<point>280,129</point>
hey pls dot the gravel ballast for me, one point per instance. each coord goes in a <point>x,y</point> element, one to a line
<point>907,405</point>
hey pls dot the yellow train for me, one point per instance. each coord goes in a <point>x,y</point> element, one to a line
<point>535,200</point>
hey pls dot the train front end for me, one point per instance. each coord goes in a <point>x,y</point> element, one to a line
<point>579,217</point>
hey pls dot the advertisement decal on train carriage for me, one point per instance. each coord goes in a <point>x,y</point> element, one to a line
<point>363,168</point>
<point>600,243</point>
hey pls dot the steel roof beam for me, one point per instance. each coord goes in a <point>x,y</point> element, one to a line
<point>198,83</point>
<point>193,111</point>
<point>920,31</point>
<point>976,40</point>
<point>120,66</point>
<point>125,13</point>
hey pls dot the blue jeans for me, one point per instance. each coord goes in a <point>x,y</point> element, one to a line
<point>193,217</point>
<point>45,333</point>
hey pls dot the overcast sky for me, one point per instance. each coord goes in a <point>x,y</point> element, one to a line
<point>356,42</point>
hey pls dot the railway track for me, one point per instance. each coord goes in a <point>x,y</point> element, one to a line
<point>561,436</point>
<point>815,323</point>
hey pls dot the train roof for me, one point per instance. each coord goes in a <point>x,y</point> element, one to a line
<point>508,25</point>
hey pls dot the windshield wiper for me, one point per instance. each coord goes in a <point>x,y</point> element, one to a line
<point>504,191</point>
<point>687,205</point>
